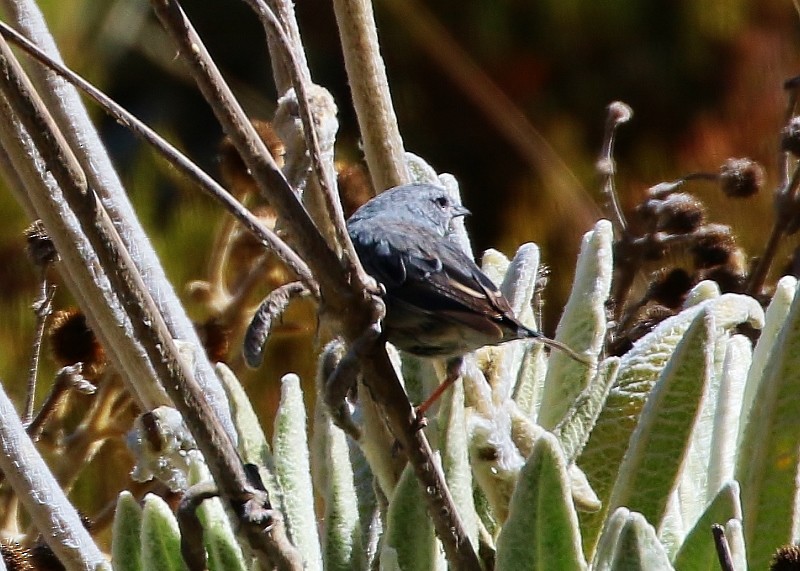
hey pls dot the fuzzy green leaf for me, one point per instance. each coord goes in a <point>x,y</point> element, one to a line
<point>290,445</point>
<point>518,286</point>
<point>160,539</point>
<point>639,370</point>
<point>722,458</point>
<point>222,548</point>
<point>735,535</point>
<point>698,553</point>
<point>541,531</point>
<point>607,543</point>
<point>582,326</point>
<point>342,539</point>
<point>768,457</point>
<point>574,430</point>
<point>638,548</point>
<point>455,459</point>
<point>252,445</point>
<point>775,317</point>
<point>659,444</point>
<point>409,536</point>
<point>126,537</point>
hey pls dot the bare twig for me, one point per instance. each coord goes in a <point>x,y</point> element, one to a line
<point>67,377</point>
<point>65,105</point>
<point>42,496</point>
<point>237,126</point>
<point>383,145</point>
<point>213,441</point>
<point>300,78</point>
<point>346,297</point>
<point>723,549</point>
<point>175,157</point>
<point>192,548</point>
<point>785,214</point>
<point>618,113</point>
<point>42,307</point>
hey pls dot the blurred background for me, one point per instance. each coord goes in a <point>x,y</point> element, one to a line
<point>509,96</point>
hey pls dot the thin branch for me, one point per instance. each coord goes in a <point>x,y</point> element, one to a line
<point>65,105</point>
<point>192,548</point>
<point>67,378</point>
<point>346,298</point>
<point>723,549</point>
<point>308,240</point>
<point>42,308</point>
<point>618,113</point>
<point>366,72</point>
<point>175,158</point>
<point>785,214</point>
<point>178,378</point>
<point>300,79</point>
<point>42,496</point>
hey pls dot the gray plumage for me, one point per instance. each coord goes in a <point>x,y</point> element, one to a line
<point>438,301</point>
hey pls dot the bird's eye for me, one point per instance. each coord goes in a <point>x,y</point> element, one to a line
<point>441,201</point>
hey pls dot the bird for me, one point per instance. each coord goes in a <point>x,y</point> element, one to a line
<point>439,303</point>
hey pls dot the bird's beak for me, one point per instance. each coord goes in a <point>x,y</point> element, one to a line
<point>460,211</point>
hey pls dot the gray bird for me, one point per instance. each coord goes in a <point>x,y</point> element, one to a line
<point>438,301</point>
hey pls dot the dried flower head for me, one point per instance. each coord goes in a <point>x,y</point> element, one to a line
<point>680,213</point>
<point>39,246</point>
<point>73,341</point>
<point>15,557</point>
<point>728,277</point>
<point>714,245</point>
<point>786,558</point>
<point>234,172</point>
<point>790,136</point>
<point>669,288</point>
<point>740,178</point>
<point>651,316</point>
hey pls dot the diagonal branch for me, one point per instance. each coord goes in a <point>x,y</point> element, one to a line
<point>309,242</point>
<point>175,158</point>
<point>345,297</point>
<point>215,444</point>
<point>66,107</point>
<point>300,79</point>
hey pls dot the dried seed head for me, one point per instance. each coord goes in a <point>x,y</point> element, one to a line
<point>232,168</point>
<point>714,245</point>
<point>72,341</point>
<point>43,559</point>
<point>786,558</point>
<point>39,246</point>
<point>669,288</point>
<point>650,317</point>
<point>680,213</point>
<point>790,137</point>
<point>15,557</point>
<point>740,178</point>
<point>354,185</point>
<point>729,278</point>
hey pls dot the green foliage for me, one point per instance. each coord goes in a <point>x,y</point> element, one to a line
<point>653,434</point>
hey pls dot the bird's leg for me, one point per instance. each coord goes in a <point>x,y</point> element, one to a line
<point>343,379</point>
<point>453,372</point>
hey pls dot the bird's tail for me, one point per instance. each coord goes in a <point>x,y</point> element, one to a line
<point>553,344</point>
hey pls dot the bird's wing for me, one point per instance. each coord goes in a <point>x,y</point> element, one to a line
<point>434,275</point>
